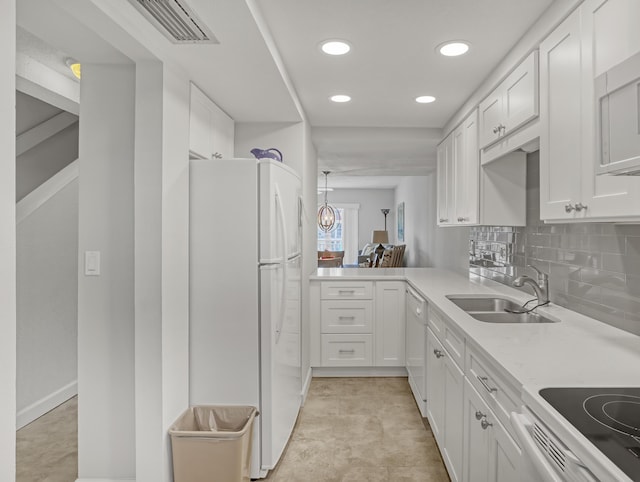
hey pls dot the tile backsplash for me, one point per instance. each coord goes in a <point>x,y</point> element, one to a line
<point>594,268</point>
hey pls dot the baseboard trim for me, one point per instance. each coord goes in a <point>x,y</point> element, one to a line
<point>87,479</point>
<point>306,385</point>
<point>45,404</point>
<point>359,372</point>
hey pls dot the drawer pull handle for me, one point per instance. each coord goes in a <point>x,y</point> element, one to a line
<point>347,351</point>
<point>483,381</point>
<point>479,415</point>
<point>346,317</point>
<point>485,424</point>
<point>438,353</point>
<point>346,291</point>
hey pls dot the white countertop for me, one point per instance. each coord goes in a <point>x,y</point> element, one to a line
<point>577,351</point>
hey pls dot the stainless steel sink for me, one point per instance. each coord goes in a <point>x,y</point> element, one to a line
<point>505,317</point>
<point>491,309</point>
<point>484,304</point>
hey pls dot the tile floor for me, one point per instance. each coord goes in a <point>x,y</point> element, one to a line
<point>350,429</point>
<point>47,448</point>
<point>360,429</point>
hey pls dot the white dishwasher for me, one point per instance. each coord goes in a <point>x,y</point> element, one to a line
<point>416,340</point>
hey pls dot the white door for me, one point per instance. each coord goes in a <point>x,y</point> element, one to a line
<point>490,118</point>
<point>520,101</point>
<point>435,384</point>
<point>445,181</point>
<point>280,190</point>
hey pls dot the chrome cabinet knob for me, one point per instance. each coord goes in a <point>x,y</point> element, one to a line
<point>479,415</point>
<point>460,219</point>
<point>496,129</point>
<point>569,207</point>
<point>438,353</point>
<point>579,207</point>
<point>485,424</point>
<point>502,128</point>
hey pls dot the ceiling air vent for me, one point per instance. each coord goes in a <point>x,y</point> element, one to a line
<point>176,20</point>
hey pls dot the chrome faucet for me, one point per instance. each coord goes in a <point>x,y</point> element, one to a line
<point>541,286</point>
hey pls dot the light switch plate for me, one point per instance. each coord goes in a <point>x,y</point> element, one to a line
<point>92,263</point>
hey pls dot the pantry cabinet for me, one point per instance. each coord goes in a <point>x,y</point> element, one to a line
<point>594,38</point>
<point>512,104</point>
<point>211,130</point>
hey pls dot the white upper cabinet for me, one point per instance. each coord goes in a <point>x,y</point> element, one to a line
<point>458,167</point>
<point>512,104</point>
<point>590,41</point>
<point>446,196</point>
<point>467,169</point>
<point>471,194</point>
<point>211,130</point>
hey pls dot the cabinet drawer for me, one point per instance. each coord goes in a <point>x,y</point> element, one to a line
<point>347,350</point>
<point>450,339</point>
<point>347,316</point>
<point>500,397</point>
<point>345,290</point>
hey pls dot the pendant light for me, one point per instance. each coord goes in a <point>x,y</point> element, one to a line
<point>326,213</point>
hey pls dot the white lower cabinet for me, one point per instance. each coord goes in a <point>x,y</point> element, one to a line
<point>490,454</point>
<point>445,382</point>
<point>390,323</point>
<point>358,324</point>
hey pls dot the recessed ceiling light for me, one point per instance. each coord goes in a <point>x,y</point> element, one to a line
<point>74,66</point>
<point>335,47</point>
<point>340,98</point>
<point>425,99</point>
<point>453,48</point>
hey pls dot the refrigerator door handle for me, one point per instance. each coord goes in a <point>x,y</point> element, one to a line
<point>283,233</point>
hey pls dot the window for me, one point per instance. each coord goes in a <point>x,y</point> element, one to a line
<point>334,239</point>
<point>344,237</point>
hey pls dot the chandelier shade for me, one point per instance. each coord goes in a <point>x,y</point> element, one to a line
<point>326,213</point>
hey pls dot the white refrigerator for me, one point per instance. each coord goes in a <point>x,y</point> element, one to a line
<point>244,340</point>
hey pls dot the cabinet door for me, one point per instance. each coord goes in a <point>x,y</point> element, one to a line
<point>223,133</point>
<point>608,38</point>
<point>467,173</point>
<point>453,417</point>
<point>477,441</point>
<point>520,95</point>
<point>560,120</point>
<point>435,382</point>
<point>200,124</point>
<point>491,117</point>
<point>445,182</point>
<point>506,457</point>
<point>390,323</point>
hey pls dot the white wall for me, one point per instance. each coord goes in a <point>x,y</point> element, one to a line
<point>427,244</point>
<point>370,216</point>
<point>7,242</point>
<point>106,422</point>
<point>175,255</point>
<point>47,296</point>
<point>41,162</point>
<point>309,241</point>
<point>419,220</point>
<point>287,137</point>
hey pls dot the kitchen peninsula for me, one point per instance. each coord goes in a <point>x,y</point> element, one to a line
<point>478,374</point>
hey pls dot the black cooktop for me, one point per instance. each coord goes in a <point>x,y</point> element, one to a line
<point>608,417</point>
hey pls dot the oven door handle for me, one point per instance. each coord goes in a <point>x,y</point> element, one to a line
<point>520,423</point>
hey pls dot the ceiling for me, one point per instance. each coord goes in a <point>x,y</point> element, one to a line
<point>381,132</point>
<point>392,61</point>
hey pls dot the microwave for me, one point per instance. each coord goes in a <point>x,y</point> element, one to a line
<point>617,93</point>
